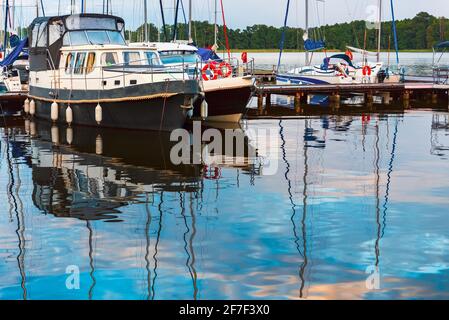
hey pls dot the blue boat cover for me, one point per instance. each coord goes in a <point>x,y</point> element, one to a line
<point>344,57</point>
<point>311,45</point>
<point>207,54</point>
<point>12,57</point>
<point>442,45</point>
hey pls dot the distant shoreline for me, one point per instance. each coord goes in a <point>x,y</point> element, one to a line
<point>299,51</point>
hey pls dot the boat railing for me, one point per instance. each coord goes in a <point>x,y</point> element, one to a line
<point>123,70</point>
<point>441,74</point>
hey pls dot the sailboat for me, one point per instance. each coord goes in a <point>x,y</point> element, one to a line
<point>226,83</point>
<point>338,68</point>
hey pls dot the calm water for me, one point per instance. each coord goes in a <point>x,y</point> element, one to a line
<point>352,192</point>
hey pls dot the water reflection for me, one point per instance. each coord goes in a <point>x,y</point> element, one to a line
<point>351,191</point>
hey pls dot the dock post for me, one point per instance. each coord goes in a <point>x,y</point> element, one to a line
<point>260,103</point>
<point>298,103</point>
<point>386,98</point>
<point>334,100</point>
<point>434,98</point>
<point>268,100</point>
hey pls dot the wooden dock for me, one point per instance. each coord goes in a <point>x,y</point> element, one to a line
<point>388,91</point>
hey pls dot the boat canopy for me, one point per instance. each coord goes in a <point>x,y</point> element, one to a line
<point>311,45</point>
<point>48,34</point>
<point>344,57</point>
<point>15,54</point>
<point>442,45</point>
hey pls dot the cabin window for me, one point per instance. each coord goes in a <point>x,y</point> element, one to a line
<point>98,37</point>
<point>54,33</point>
<point>116,37</point>
<point>69,63</point>
<point>35,35</point>
<point>78,38</point>
<point>152,58</point>
<point>90,62</point>
<point>42,41</point>
<point>109,59</point>
<point>131,58</point>
<point>79,63</point>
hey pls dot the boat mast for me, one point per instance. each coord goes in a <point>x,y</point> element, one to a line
<point>215,24</point>
<point>190,22</point>
<point>379,36</point>
<point>5,40</point>
<point>145,14</point>
<point>307,30</point>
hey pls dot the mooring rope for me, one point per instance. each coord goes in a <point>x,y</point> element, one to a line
<point>164,95</point>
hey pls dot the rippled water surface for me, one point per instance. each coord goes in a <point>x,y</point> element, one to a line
<point>350,193</point>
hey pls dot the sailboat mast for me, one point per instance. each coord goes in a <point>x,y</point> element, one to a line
<point>307,30</point>
<point>5,40</point>
<point>215,23</point>
<point>379,36</point>
<point>190,21</point>
<point>145,14</point>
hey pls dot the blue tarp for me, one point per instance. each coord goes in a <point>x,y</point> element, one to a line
<point>207,54</point>
<point>344,57</point>
<point>311,45</point>
<point>442,45</point>
<point>9,60</point>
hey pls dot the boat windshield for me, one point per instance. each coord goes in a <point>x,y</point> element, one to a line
<point>93,37</point>
<point>179,57</point>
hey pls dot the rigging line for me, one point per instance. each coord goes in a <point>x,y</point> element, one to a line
<point>91,260</point>
<point>157,244</point>
<point>389,174</point>
<point>284,29</point>
<point>181,201</point>
<point>395,34</point>
<point>377,173</point>
<point>192,251</point>
<point>292,218</point>
<point>185,19</point>
<point>175,25</point>
<point>225,30</point>
<point>164,27</point>
<point>147,248</point>
<point>304,217</point>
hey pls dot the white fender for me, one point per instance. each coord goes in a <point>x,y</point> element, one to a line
<point>32,107</point>
<point>98,113</point>
<point>99,145</point>
<point>55,134</point>
<point>69,135</point>
<point>69,115</point>
<point>26,106</point>
<point>204,109</point>
<point>54,111</point>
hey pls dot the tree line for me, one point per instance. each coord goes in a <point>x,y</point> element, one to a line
<point>420,33</point>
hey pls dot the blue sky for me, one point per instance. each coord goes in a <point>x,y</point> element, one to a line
<point>241,13</point>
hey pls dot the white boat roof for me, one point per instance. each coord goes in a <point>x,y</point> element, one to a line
<point>105,47</point>
<point>166,46</point>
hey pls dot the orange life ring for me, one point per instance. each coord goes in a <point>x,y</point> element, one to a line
<point>349,54</point>
<point>209,72</point>
<point>212,173</point>
<point>227,67</point>
<point>366,71</point>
